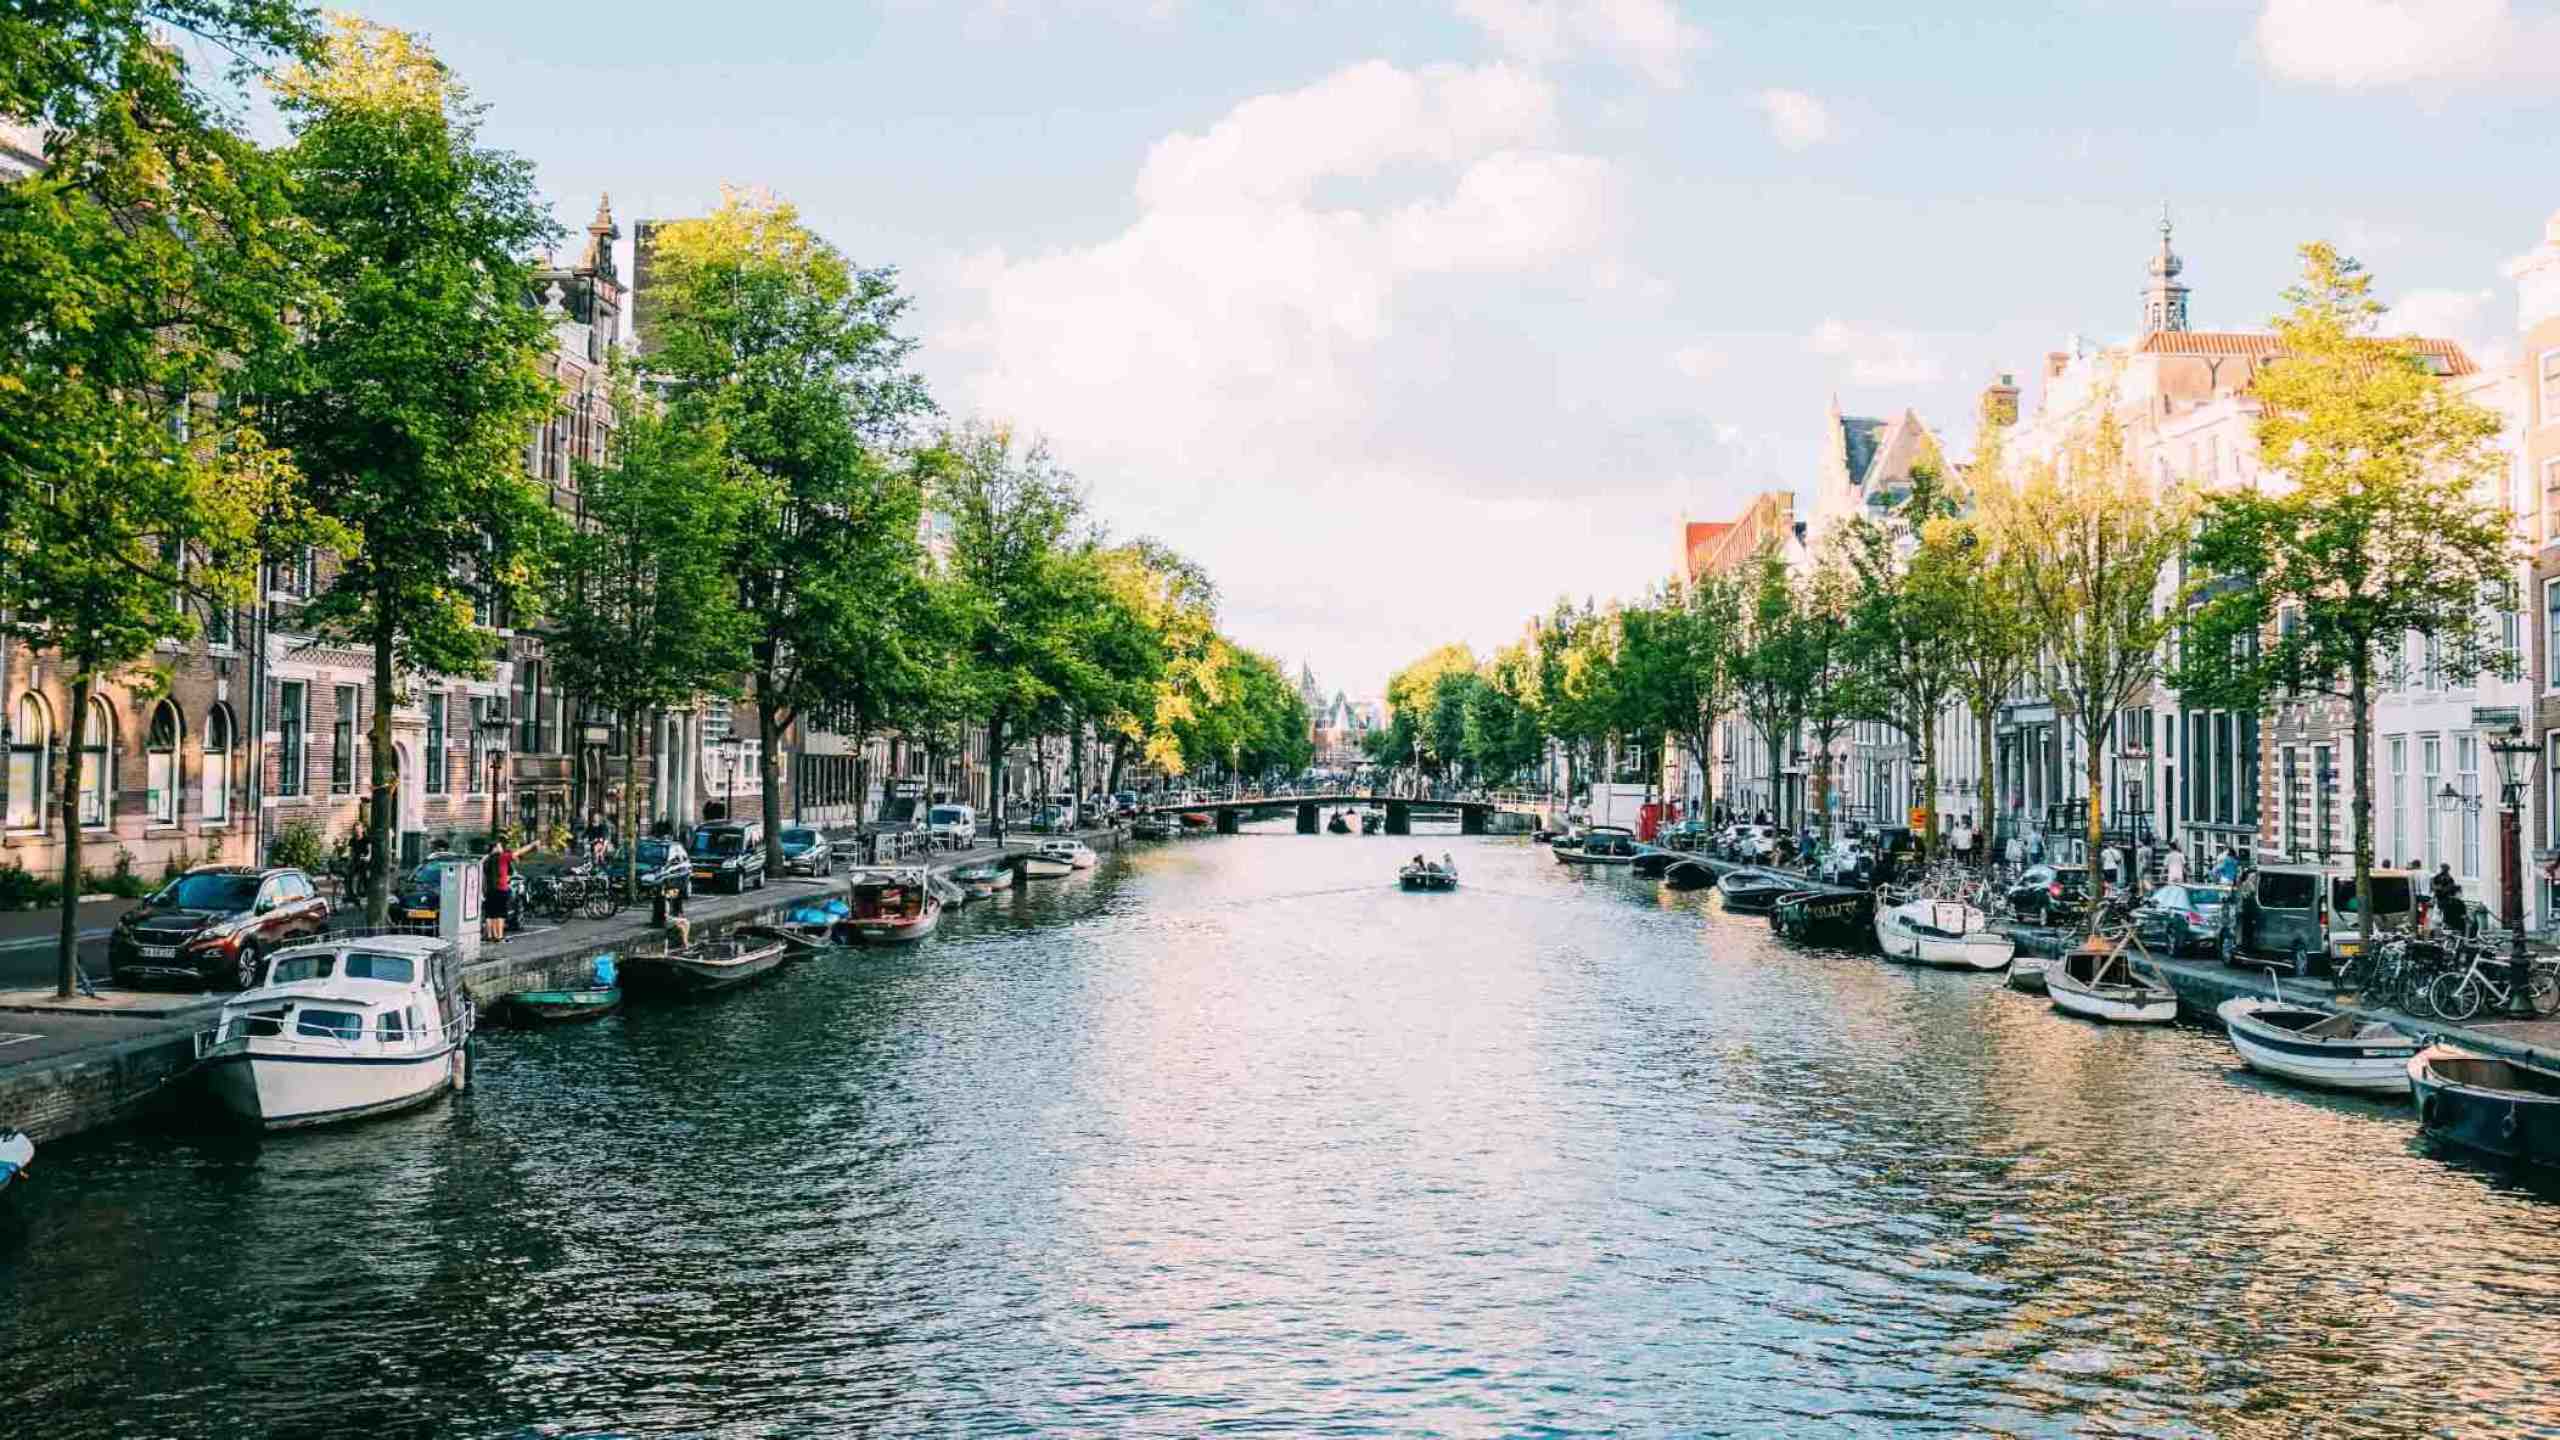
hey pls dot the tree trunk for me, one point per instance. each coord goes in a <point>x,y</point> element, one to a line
<point>1075,769</point>
<point>1928,796</point>
<point>1777,778</point>
<point>2096,773</point>
<point>630,790</point>
<point>1119,759</point>
<point>1984,783</point>
<point>386,785</point>
<point>768,768</point>
<point>2359,684</point>
<point>1706,777</point>
<point>76,731</point>
<point>995,772</point>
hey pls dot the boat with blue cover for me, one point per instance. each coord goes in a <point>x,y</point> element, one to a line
<point>17,1152</point>
<point>601,996</point>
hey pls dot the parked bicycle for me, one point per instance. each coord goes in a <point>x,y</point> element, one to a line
<point>2481,982</point>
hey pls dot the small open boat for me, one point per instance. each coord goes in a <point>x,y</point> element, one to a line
<point>17,1152</point>
<point>1755,892</point>
<point>2314,1047</point>
<point>1822,917</point>
<point>601,996</point>
<point>1337,825</point>
<point>1371,822</point>
<point>2026,972</point>
<point>1688,875</point>
<point>1651,861</point>
<point>804,929</point>
<point>2097,981</point>
<point>702,967</point>
<point>1197,820</point>
<point>985,877</point>
<point>1425,875</point>
<point>890,907</point>
<point>1033,865</point>
<point>1145,827</point>
<point>2497,1107</point>
<point>1948,934</point>
<point>1077,854</point>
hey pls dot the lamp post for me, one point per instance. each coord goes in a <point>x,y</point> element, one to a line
<point>729,746</point>
<point>2511,749</point>
<point>493,735</point>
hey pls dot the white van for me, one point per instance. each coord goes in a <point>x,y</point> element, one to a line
<point>952,825</point>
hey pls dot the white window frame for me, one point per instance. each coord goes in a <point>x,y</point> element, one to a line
<point>2551,636</point>
<point>2398,747</point>
<point>164,771</point>
<point>2548,366</point>
<point>2466,763</point>
<point>217,764</point>
<point>30,763</point>
<point>97,767</point>
<point>293,738</point>
<point>2430,768</point>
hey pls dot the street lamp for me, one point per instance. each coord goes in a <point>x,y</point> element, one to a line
<point>493,736</point>
<point>730,746</point>
<point>2511,749</point>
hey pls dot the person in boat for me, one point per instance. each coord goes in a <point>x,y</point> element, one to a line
<point>1417,860</point>
<point>1446,863</point>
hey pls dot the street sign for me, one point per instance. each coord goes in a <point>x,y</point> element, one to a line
<point>2496,717</point>
<point>599,734</point>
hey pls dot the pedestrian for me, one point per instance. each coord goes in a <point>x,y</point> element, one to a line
<point>2447,893</point>
<point>596,850</point>
<point>2142,862</point>
<point>1962,840</point>
<point>2110,860</point>
<point>359,860</point>
<point>2017,853</point>
<point>2174,864</point>
<point>2226,871</point>
<point>2035,848</point>
<point>493,889</point>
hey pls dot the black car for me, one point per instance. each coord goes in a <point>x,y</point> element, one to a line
<point>420,898</point>
<point>806,852</point>
<point>2178,919</point>
<point>2049,892</point>
<point>215,926</point>
<point>729,854</point>
<point>663,863</point>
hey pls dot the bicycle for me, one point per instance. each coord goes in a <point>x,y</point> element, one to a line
<point>2458,995</point>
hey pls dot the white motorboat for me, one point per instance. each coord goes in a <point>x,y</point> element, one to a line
<point>1948,934</point>
<point>1040,865</point>
<point>1077,854</point>
<point>1599,845</point>
<point>341,1029</point>
<point>2026,972</point>
<point>2097,981</point>
<point>17,1152</point>
<point>2314,1047</point>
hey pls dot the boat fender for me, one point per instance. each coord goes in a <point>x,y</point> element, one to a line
<point>2429,1112</point>
<point>462,1067</point>
<point>2507,1127</point>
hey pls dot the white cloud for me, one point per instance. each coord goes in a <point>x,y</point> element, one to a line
<point>1797,119</point>
<point>2430,45</point>
<point>1876,357</point>
<point>1649,36</point>
<point>2472,318</point>
<point>1702,362</point>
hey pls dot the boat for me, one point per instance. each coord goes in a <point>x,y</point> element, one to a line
<point>1754,891</point>
<point>1196,820</point>
<point>1371,822</point>
<point>804,930</point>
<point>2026,972</point>
<point>1688,875</point>
<point>2097,981</point>
<point>894,906</point>
<point>2497,1107</point>
<point>1821,917</point>
<point>1337,825</point>
<point>1077,854</point>
<point>17,1153</point>
<point>1145,827</point>
<point>704,966</point>
<point>342,1029</point>
<point>1948,934</point>
<point>1599,845</point>
<point>1651,861</point>
<point>946,889</point>
<point>2314,1047</point>
<point>601,996</point>
<point>1033,865</point>
<point>986,877</point>
<point>1421,874</point>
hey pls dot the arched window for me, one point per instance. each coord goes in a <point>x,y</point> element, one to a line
<point>30,762</point>
<point>97,762</point>
<point>217,764</point>
<point>161,754</point>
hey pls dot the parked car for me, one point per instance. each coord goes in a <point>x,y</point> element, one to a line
<point>1684,835</point>
<point>214,926</point>
<point>2304,916</point>
<point>729,854</point>
<point>805,852</point>
<point>1848,863</point>
<point>2049,892</point>
<point>2181,919</point>
<point>1753,842</point>
<point>953,825</point>
<point>662,863</point>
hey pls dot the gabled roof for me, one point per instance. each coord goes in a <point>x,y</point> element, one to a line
<point>1858,434</point>
<point>2259,347</point>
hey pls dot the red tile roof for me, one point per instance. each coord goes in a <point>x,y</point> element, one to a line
<point>2260,346</point>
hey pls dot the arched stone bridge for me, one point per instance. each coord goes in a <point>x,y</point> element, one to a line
<point>1472,814</point>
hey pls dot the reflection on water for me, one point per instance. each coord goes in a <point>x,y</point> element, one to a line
<point>1231,1134</point>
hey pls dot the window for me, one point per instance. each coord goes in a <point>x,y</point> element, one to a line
<point>160,753</point>
<point>2288,778</point>
<point>396,969</point>
<point>217,764</point>
<point>529,708</point>
<point>435,744</point>
<point>30,762</point>
<point>342,743</point>
<point>2430,768</point>
<point>330,1024</point>
<point>474,770</point>
<point>2399,841</point>
<point>293,720</point>
<point>392,1026</point>
<point>2324,790</point>
<point>2466,763</point>
<point>301,967</point>
<point>218,624</point>
<point>2551,634</point>
<point>97,764</point>
<point>2551,387</point>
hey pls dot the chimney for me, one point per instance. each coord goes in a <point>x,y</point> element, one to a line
<point>2000,400</point>
<point>2054,361</point>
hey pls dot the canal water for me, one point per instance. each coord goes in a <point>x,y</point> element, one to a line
<point>1229,1136</point>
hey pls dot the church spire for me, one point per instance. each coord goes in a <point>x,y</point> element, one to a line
<point>2164,300</point>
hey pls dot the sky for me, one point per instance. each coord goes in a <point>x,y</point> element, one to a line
<point>1408,318</point>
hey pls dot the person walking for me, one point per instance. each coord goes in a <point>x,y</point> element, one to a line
<point>2017,854</point>
<point>2447,894</point>
<point>359,862</point>
<point>2174,864</point>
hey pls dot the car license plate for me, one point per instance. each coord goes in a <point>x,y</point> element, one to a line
<point>2349,947</point>
<point>422,914</point>
<point>701,874</point>
<point>159,952</point>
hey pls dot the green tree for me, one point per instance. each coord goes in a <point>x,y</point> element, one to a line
<point>1783,656</point>
<point>1902,597</point>
<point>2092,540</point>
<point>786,354</point>
<point>1679,666</point>
<point>1502,733</point>
<point>2382,533</point>
<point>409,399</point>
<point>1990,630</point>
<point>644,614</point>
<point>152,248</point>
<point>1412,699</point>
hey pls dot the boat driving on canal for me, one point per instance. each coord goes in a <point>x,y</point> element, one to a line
<point>1421,874</point>
<point>342,1029</point>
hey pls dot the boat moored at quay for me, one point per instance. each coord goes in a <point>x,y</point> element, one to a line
<point>2315,1047</point>
<point>702,967</point>
<point>341,1030</point>
<point>2497,1107</point>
